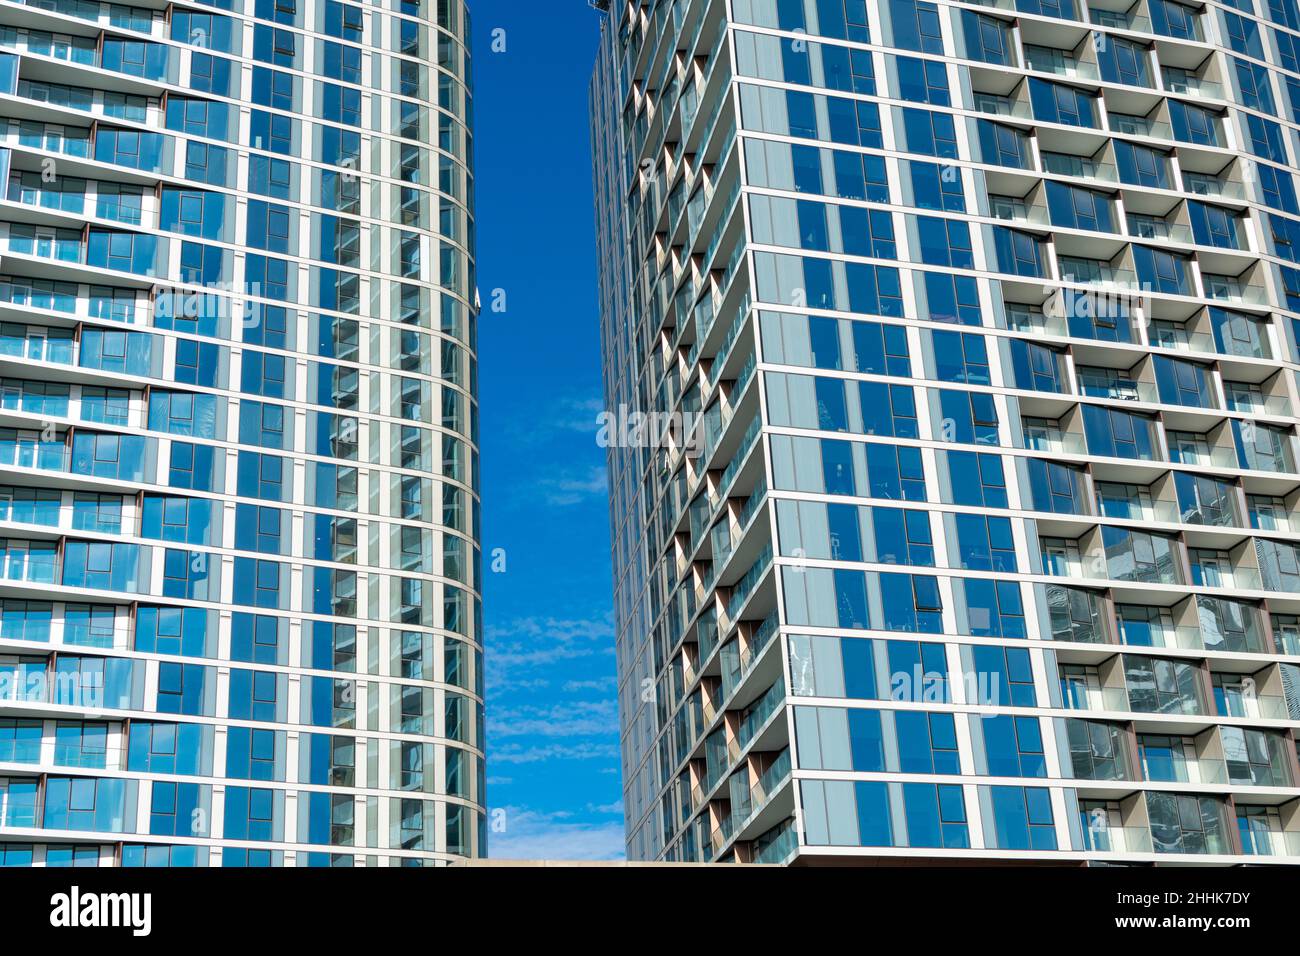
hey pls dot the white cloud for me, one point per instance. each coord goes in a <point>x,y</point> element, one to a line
<point>601,683</point>
<point>571,487</point>
<point>520,646</point>
<point>582,718</point>
<point>531,835</point>
<point>559,629</point>
<point>518,754</point>
<point>567,414</point>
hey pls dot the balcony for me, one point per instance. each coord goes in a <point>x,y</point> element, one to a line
<point>1254,707</point>
<point>758,804</point>
<point>1063,164</point>
<point>1120,20</point>
<point>1256,842</point>
<point>1104,699</point>
<point>1140,126</point>
<point>1150,227</point>
<point>1061,63</point>
<point>1188,84</point>
<point>994,104</point>
<point>1203,184</point>
<point>1114,839</point>
<point>737,663</point>
<point>1165,636</point>
<point>1231,289</point>
<point>1095,272</point>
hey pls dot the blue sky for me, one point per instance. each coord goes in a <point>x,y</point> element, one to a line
<point>553,763</point>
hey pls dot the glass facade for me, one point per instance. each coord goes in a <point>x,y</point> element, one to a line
<point>239,565</point>
<point>967,526</point>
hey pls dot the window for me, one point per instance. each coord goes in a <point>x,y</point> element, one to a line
<point>1177,20</point>
<point>915,26</point>
<point>988,39</point>
<point>929,133</point>
<point>969,417</point>
<point>257,583</point>
<point>165,748</point>
<point>181,689</point>
<point>1013,746</point>
<point>1115,434</point>
<point>902,536</point>
<point>922,81</point>
<point>918,672</point>
<point>1058,103</point>
<point>993,608</point>
<point>1004,676</point>
<point>1022,818</point>
<point>911,603</point>
<point>1077,208</point>
<point>177,809</point>
<point>1194,124</point>
<point>1098,751</point>
<point>936,187</point>
<point>985,543</point>
<point>945,242</point>
<point>1003,145</point>
<point>1142,165</point>
<point>250,814</point>
<point>927,743</point>
<point>250,753</point>
<point>1186,824</point>
<point>1122,61</point>
<point>976,479</point>
<point>85,803</point>
<point>1156,685</point>
<point>1020,253</point>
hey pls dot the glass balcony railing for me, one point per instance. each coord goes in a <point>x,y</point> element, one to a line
<point>1033,320</point>
<point>1059,63</point>
<point>1063,164</point>
<point>1095,272</point>
<point>759,713</point>
<point>1120,20</point>
<point>752,504</point>
<point>1193,86</point>
<point>747,442</point>
<point>995,105</point>
<point>1183,770</point>
<point>1269,842</point>
<point>1253,404</point>
<point>1168,336</point>
<point>771,779</point>
<point>1058,442</point>
<point>1149,227</point>
<point>1202,184</point>
<point>1254,707</point>
<point>1140,126</point>
<point>1117,840</point>
<point>745,586</point>
<point>1015,210</point>
<point>1233,579</point>
<point>745,808</point>
<point>1165,636</point>
<point>1223,289</point>
<point>1111,699</point>
<point>778,846</point>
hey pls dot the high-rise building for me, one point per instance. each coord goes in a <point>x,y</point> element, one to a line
<point>240,614</point>
<point>956,515</point>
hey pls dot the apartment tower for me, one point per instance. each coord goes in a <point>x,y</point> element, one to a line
<point>959,518</point>
<point>239,568</point>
